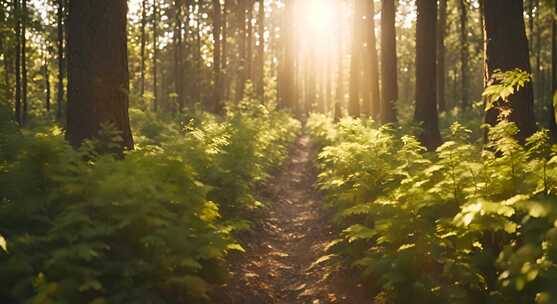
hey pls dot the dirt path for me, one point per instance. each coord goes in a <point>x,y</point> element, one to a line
<point>290,236</point>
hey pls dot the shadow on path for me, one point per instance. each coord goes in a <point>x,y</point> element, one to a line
<point>292,232</point>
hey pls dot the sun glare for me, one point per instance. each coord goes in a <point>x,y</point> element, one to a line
<point>317,16</point>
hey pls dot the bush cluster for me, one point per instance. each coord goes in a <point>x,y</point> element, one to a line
<point>152,227</point>
<point>463,224</point>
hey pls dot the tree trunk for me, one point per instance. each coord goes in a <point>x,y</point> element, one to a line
<point>46,76</point>
<point>155,56</point>
<point>98,63</point>
<point>506,49</point>
<point>426,104</point>
<point>388,62</point>
<point>217,26</point>
<point>178,54</point>
<point>17,110</point>
<point>339,93</point>
<point>551,108</point>
<point>198,58</point>
<point>224,63</point>
<point>464,83</point>
<point>371,101</point>
<point>355,61</point>
<point>288,77</point>
<point>261,52</point>
<point>481,15</point>
<point>142,48</point>
<point>441,70</point>
<point>249,42</point>
<point>23,18</point>
<point>537,38</point>
<point>243,51</point>
<point>61,61</point>
<point>6,62</point>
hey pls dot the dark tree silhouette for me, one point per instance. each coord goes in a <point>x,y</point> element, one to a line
<point>98,65</point>
<point>506,49</point>
<point>388,62</point>
<point>426,55</point>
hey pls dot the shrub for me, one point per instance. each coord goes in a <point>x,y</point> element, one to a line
<point>153,227</point>
<point>461,225</point>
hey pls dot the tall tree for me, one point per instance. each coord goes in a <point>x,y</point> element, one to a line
<point>551,108</point>
<point>98,64</point>
<point>142,47</point>
<point>388,62</point>
<point>288,65</point>
<point>46,75</point>
<point>155,55</point>
<point>339,93</point>
<point>426,55</point>
<point>260,80</point>
<point>178,54</point>
<point>24,74</point>
<point>464,82</point>
<point>217,26</point>
<point>224,55</point>
<point>6,57</point>
<point>371,101</point>
<point>17,110</point>
<point>441,69</point>
<point>241,82</point>
<point>17,12</point>
<point>506,49</point>
<point>61,60</point>
<point>354,108</point>
<point>249,41</point>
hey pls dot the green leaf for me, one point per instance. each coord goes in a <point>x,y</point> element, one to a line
<point>3,243</point>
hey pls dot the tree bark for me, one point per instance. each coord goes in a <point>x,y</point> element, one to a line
<point>155,56</point>
<point>24,74</point>
<point>426,55</point>
<point>142,47</point>
<point>339,93</point>
<point>46,75</point>
<point>17,110</point>
<point>7,65</point>
<point>198,58</point>
<point>371,101</point>
<point>464,82</point>
<point>224,64</point>
<point>288,77</point>
<point>354,108</point>
<point>260,80</point>
<point>217,26</point>
<point>178,54</point>
<point>441,69</point>
<point>552,124</point>
<point>61,61</point>
<point>506,49</point>
<point>98,63</point>
<point>240,87</point>
<point>388,62</point>
<point>249,42</point>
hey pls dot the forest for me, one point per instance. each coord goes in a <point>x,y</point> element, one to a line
<point>278,151</point>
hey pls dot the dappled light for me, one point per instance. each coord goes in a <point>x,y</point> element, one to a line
<point>278,151</point>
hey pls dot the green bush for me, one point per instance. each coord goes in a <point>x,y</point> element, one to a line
<point>460,225</point>
<point>153,227</point>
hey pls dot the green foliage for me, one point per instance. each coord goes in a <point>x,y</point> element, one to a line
<point>461,225</point>
<point>503,85</point>
<point>153,227</point>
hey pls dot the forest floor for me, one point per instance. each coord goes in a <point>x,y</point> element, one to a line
<point>290,234</point>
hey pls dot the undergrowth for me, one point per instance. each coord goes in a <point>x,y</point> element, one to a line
<point>153,227</point>
<point>463,224</point>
